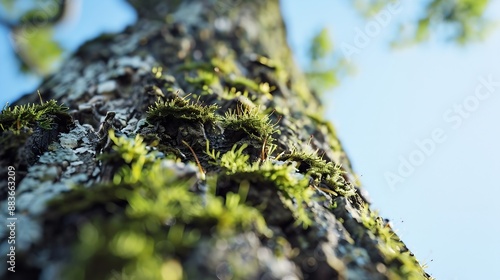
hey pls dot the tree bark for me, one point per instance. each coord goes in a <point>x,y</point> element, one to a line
<point>232,54</point>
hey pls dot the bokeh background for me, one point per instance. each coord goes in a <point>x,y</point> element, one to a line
<point>447,210</point>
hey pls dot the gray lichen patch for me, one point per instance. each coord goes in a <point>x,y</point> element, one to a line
<point>57,170</point>
<point>67,163</point>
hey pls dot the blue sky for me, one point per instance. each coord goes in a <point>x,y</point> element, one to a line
<point>446,210</point>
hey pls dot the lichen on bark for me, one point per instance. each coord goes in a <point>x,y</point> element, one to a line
<point>193,82</point>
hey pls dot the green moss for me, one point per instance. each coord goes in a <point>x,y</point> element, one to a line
<point>157,218</point>
<point>249,120</point>
<point>330,130</point>
<point>321,170</point>
<point>293,186</point>
<point>266,61</point>
<point>402,263</point>
<point>241,82</point>
<point>157,72</point>
<point>301,89</point>
<point>225,65</point>
<point>279,71</point>
<point>161,77</point>
<point>216,64</point>
<point>203,80</point>
<point>188,66</point>
<point>25,116</point>
<point>182,109</point>
<point>231,93</point>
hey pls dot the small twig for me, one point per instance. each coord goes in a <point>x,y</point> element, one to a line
<point>196,159</point>
<point>263,151</point>
<point>40,96</point>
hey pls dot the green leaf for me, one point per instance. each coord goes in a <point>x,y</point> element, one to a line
<point>321,45</point>
<point>37,49</point>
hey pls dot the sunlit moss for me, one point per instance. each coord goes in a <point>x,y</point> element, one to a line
<point>203,78</point>
<point>242,82</point>
<point>321,170</point>
<point>294,186</point>
<point>249,120</point>
<point>182,109</point>
<point>159,218</point>
<point>216,64</point>
<point>225,65</point>
<point>188,66</point>
<point>39,51</point>
<point>402,264</point>
<point>330,130</point>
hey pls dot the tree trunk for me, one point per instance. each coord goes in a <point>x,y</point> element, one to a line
<point>237,175</point>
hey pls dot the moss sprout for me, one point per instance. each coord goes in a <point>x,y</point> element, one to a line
<point>25,116</point>
<point>216,64</point>
<point>241,82</point>
<point>293,186</point>
<point>182,109</point>
<point>330,130</point>
<point>402,263</point>
<point>320,169</point>
<point>188,66</point>
<point>249,120</point>
<point>204,79</point>
<point>225,65</point>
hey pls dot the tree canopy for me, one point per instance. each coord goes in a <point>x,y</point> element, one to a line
<point>459,21</point>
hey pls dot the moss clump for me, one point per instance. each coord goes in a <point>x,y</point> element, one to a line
<point>242,83</point>
<point>189,66</point>
<point>203,80</point>
<point>402,263</point>
<point>265,61</point>
<point>250,121</point>
<point>330,130</point>
<point>157,219</point>
<point>27,130</point>
<point>292,185</point>
<point>182,109</point>
<point>321,170</point>
<point>223,65</point>
<point>25,116</point>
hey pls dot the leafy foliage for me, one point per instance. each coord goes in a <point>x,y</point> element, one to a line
<point>325,67</point>
<point>38,50</point>
<point>31,23</point>
<point>9,4</point>
<point>321,45</point>
<point>465,18</point>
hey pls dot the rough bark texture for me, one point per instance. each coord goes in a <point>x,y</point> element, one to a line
<point>235,55</point>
